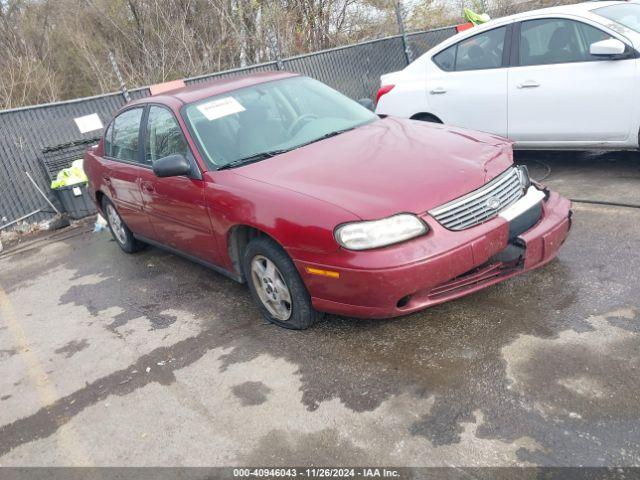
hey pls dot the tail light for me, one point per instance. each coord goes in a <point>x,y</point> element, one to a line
<point>383,91</point>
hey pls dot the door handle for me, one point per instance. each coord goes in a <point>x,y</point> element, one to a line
<point>528,84</point>
<point>438,91</point>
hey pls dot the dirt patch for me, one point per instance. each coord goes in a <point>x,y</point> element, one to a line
<point>73,347</point>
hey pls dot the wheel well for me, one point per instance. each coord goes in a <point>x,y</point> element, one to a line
<point>99,197</point>
<point>426,117</point>
<point>239,238</point>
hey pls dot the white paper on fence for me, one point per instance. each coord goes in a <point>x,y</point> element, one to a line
<point>88,123</point>
<point>220,108</point>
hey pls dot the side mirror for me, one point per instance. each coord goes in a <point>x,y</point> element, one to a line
<point>608,48</point>
<point>367,103</point>
<point>171,166</point>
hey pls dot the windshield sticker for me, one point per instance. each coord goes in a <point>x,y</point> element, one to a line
<point>220,108</point>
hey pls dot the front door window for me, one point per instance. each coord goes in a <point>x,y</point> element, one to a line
<point>164,136</point>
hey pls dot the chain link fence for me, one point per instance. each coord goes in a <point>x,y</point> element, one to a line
<point>25,132</point>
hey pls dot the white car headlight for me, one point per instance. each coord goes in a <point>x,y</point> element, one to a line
<point>380,233</point>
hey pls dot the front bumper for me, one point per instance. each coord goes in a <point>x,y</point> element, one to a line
<point>438,267</point>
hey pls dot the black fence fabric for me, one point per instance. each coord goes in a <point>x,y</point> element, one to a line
<point>57,158</point>
<point>421,42</point>
<point>25,132</point>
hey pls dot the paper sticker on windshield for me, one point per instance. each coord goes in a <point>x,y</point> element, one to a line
<point>220,108</point>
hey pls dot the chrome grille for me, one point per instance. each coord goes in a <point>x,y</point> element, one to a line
<point>482,204</point>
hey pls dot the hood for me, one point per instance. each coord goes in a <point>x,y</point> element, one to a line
<point>388,166</point>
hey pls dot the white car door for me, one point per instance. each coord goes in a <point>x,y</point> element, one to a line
<point>466,84</point>
<point>560,95</point>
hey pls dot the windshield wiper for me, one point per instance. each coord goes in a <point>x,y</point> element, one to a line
<point>264,155</point>
<point>327,135</point>
<point>253,158</point>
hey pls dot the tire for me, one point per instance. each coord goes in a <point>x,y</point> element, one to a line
<point>268,285</point>
<point>119,230</point>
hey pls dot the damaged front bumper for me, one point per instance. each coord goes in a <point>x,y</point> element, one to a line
<point>442,265</point>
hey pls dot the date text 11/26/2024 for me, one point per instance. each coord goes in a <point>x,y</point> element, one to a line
<point>316,472</point>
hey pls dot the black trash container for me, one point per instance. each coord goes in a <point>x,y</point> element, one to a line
<point>76,201</point>
<point>74,198</point>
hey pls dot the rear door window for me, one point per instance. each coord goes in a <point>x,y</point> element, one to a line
<point>480,52</point>
<point>446,59</point>
<point>126,132</point>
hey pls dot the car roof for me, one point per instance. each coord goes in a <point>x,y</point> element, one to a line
<point>584,9</point>
<point>199,91</point>
<point>577,8</point>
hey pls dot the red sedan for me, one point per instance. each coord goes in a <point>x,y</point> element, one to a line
<point>319,205</point>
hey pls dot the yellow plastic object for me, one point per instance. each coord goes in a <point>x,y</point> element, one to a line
<point>476,18</point>
<point>70,176</point>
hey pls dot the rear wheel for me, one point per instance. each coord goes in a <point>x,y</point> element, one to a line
<point>276,286</point>
<point>121,233</point>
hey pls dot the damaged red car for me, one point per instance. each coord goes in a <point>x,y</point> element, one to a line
<point>317,204</point>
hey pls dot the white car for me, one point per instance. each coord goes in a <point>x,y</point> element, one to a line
<point>558,78</point>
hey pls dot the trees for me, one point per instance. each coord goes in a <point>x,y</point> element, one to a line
<point>59,49</point>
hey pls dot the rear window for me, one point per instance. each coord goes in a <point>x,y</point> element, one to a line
<point>627,15</point>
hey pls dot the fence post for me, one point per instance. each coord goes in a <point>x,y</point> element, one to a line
<point>405,40</point>
<point>116,70</point>
<point>279,63</point>
<point>274,39</point>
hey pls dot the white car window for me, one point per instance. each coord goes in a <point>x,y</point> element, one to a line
<point>446,59</point>
<point>480,52</point>
<point>626,14</point>
<point>557,40</point>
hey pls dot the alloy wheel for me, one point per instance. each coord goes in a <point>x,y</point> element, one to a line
<point>117,226</point>
<point>271,288</point>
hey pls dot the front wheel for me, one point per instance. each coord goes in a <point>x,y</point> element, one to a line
<point>276,286</point>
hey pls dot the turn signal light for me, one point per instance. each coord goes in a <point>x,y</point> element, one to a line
<point>323,273</point>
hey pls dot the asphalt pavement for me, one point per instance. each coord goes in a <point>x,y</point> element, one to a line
<point>111,359</point>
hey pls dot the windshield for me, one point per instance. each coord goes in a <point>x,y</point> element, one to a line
<point>270,118</point>
<point>627,15</point>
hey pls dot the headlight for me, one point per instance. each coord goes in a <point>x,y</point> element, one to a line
<point>523,176</point>
<point>380,233</point>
